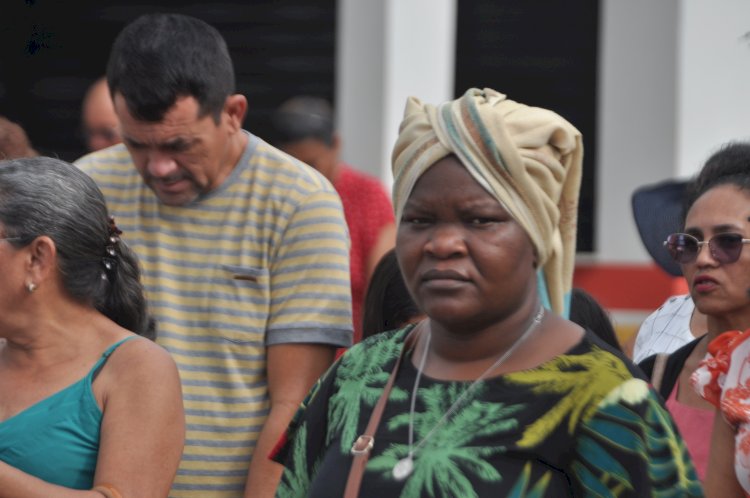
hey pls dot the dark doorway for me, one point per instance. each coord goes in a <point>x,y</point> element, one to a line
<point>51,51</point>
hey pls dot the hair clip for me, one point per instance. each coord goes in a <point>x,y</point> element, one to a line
<point>109,260</point>
<point>114,231</point>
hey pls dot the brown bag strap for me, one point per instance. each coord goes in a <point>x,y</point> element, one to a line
<point>657,374</point>
<point>364,443</point>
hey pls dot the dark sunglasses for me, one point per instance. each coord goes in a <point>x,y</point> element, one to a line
<point>725,247</point>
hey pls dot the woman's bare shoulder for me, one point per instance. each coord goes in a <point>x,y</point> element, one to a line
<point>139,359</point>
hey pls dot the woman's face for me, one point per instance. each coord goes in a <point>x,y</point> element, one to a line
<point>465,261</point>
<point>719,289</point>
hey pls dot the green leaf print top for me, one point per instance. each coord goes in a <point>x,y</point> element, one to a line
<point>582,424</point>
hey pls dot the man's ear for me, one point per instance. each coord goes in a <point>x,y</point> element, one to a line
<point>235,108</point>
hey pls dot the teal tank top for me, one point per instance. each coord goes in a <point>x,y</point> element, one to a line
<point>57,439</point>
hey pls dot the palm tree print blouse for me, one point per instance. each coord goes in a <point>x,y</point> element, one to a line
<point>582,424</point>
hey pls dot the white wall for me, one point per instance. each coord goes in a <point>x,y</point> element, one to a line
<point>389,50</point>
<point>420,51</point>
<point>714,79</point>
<point>360,64</point>
<point>674,83</point>
<point>636,114</point>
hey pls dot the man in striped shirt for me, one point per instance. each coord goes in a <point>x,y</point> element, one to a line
<point>244,250</point>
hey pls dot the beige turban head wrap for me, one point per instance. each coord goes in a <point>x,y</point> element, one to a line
<point>528,158</point>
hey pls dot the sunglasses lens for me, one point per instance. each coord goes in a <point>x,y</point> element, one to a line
<point>682,247</point>
<point>726,247</point>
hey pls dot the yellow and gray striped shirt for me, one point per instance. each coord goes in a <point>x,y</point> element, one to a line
<point>261,260</point>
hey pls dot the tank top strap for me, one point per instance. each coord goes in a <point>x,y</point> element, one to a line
<point>106,354</point>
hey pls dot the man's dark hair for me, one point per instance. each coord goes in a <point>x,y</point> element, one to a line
<point>160,57</point>
<point>303,117</point>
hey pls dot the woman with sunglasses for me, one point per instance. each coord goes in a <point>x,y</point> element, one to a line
<point>717,269</point>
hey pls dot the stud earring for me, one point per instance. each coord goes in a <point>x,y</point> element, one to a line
<point>31,287</point>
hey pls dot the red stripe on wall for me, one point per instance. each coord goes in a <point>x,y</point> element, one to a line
<point>630,287</point>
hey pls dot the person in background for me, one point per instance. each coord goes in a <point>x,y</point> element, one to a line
<point>388,305</point>
<point>589,314</point>
<point>717,206</point>
<point>675,323</point>
<point>304,128</point>
<point>99,121</point>
<point>494,393</point>
<point>658,210</point>
<point>712,250</point>
<point>85,402</point>
<point>244,250</point>
<point>14,143</point>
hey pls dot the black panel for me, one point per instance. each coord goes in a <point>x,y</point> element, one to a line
<point>541,53</point>
<point>50,51</point>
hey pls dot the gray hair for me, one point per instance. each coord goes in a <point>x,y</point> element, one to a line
<point>45,196</point>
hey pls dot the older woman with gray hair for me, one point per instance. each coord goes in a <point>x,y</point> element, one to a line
<point>495,393</point>
<point>88,407</point>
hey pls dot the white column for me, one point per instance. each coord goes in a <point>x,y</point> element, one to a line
<point>714,79</point>
<point>636,114</point>
<point>674,86</point>
<point>387,51</point>
<point>360,65</point>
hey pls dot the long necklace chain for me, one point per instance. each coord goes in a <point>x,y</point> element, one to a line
<point>405,466</point>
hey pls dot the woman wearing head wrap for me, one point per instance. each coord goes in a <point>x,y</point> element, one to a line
<point>494,393</point>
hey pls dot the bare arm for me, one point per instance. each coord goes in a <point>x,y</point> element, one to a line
<point>721,481</point>
<point>142,432</point>
<point>17,484</point>
<point>292,370</point>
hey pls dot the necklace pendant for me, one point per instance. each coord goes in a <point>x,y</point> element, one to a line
<point>403,468</point>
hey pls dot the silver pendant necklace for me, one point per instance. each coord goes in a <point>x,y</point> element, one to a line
<point>405,466</point>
